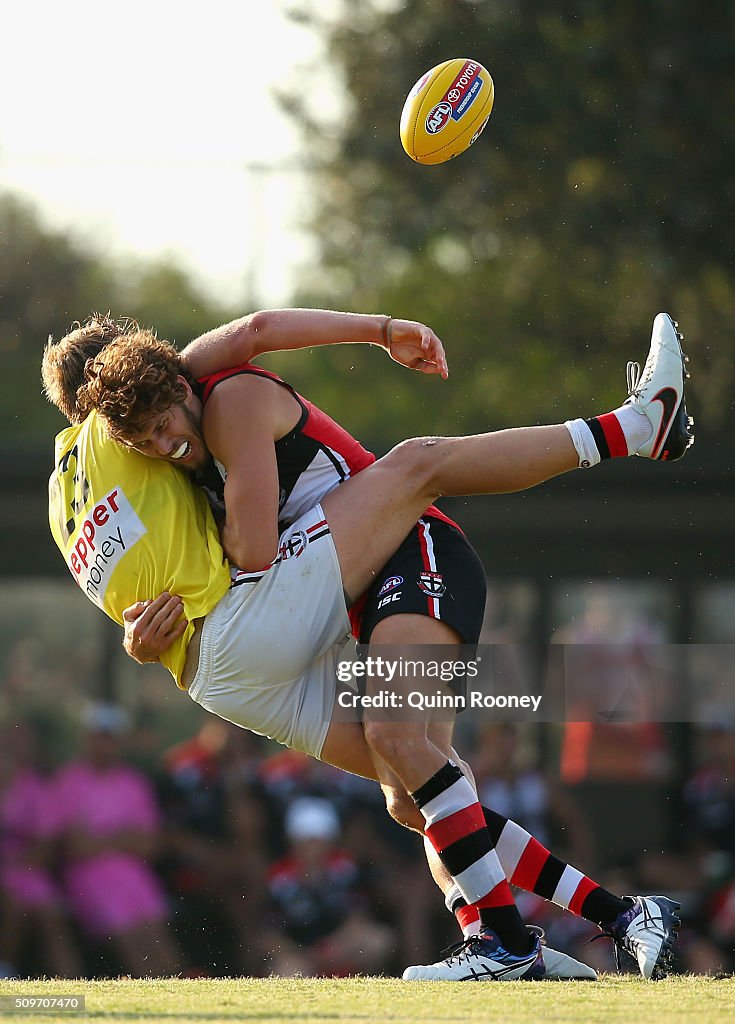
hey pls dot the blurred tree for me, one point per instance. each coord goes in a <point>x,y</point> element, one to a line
<point>601,191</point>
<point>48,280</point>
<point>45,281</point>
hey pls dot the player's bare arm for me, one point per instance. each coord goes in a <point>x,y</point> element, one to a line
<point>241,422</point>
<point>408,342</point>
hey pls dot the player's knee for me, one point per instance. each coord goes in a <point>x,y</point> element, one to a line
<point>392,741</point>
<point>415,460</point>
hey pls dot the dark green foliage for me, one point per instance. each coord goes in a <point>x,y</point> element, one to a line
<point>601,191</point>
<point>47,281</point>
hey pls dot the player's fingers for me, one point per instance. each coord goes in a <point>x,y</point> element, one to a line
<point>151,608</point>
<point>159,637</point>
<point>438,366</point>
<point>429,367</point>
<point>171,620</point>
<point>418,363</point>
<point>168,611</point>
<point>179,629</point>
<point>429,341</point>
<point>134,611</point>
<point>434,351</point>
<point>149,623</point>
<point>439,356</point>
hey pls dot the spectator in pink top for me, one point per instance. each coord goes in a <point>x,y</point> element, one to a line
<point>109,824</point>
<point>30,900</point>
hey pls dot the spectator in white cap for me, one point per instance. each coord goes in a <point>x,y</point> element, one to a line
<point>321,925</point>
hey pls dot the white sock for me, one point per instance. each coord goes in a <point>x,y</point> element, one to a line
<point>635,425</point>
<point>584,443</point>
<point>451,897</point>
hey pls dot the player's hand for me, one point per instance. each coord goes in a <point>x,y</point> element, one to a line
<point>152,626</point>
<point>416,346</point>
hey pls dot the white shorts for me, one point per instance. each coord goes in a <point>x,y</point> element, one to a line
<point>270,647</point>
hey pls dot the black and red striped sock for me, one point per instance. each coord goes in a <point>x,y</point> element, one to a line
<point>614,435</point>
<point>530,866</point>
<point>609,436</point>
<point>455,826</point>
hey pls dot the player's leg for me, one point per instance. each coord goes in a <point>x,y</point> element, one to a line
<point>525,862</point>
<point>372,513</point>
<point>427,601</point>
<point>428,598</point>
<point>527,865</point>
<point>442,614</point>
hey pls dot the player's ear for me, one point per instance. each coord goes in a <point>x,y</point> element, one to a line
<point>184,387</point>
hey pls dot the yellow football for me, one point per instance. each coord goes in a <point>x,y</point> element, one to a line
<point>446,110</point>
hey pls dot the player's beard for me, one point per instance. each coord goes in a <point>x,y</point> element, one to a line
<point>195,427</point>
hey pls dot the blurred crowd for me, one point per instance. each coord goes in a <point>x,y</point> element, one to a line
<point>225,855</point>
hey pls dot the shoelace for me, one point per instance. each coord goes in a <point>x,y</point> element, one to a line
<point>633,376</point>
<point>538,931</point>
<point>607,934</point>
<point>459,950</point>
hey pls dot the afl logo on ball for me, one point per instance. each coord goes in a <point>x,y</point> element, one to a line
<point>432,584</point>
<point>438,117</point>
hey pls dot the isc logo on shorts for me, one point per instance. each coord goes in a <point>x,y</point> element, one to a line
<point>389,598</point>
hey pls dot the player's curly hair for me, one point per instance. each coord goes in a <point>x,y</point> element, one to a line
<point>132,380</point>
<point>62,366</point>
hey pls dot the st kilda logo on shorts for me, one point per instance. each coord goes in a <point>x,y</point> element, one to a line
<point>294,546</point>
<point>432,584</point>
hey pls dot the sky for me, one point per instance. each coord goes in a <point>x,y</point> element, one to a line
<point>141,126</point>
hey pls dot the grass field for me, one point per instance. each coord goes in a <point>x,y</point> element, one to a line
<point>612,1000</point>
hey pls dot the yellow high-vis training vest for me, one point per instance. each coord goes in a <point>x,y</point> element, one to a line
<point>130,527</point>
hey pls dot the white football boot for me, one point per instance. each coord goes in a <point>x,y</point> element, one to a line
<point>658,393</point>
<point>482,958</point>
<point>456,967</point>
<point>647,932</point>
<point>560,966</point>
